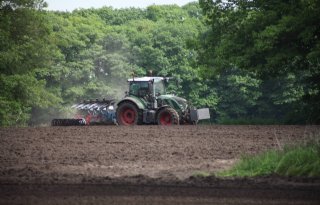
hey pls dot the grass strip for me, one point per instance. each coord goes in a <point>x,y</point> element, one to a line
<point>302,160</point>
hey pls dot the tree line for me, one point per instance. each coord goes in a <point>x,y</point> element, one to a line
<point>248,61</point>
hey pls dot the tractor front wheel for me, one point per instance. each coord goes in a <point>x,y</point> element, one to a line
<point>127,114</point>
<point>168,116</point>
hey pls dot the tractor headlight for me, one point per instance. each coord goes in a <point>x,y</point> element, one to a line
<point>110,107</point>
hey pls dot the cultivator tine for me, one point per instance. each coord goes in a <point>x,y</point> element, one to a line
<point>75,106</point>
<point>91,105</point>
<point>81,106</point>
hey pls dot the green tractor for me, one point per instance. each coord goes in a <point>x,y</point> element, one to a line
<point>147,102</point>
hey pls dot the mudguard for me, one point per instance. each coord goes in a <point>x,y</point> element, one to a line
<point>141,104</point>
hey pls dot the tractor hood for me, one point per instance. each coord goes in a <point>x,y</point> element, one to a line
<point>174,101</point>
<point>181,101</point>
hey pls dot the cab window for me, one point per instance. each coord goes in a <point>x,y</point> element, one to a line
<point>138,88</point>
<point>159,88</point>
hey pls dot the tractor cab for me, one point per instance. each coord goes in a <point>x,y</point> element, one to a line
<point>147,86</point>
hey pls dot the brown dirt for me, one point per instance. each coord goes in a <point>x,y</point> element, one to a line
<point>140,156</point>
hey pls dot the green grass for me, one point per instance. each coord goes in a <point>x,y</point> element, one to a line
<point>302,160</point>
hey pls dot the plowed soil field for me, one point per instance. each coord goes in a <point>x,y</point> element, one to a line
<point>101,164</point>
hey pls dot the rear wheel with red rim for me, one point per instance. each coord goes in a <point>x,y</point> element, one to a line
<point>127,114</point>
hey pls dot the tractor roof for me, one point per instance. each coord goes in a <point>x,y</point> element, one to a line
<point>146,79</point>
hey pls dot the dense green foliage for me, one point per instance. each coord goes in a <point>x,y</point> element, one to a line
<point>277,43</point>
<point>248,61</point>
<point>292,161</point>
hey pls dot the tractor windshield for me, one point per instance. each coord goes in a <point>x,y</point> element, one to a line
<point>159,88</point>
<point>139,89</point>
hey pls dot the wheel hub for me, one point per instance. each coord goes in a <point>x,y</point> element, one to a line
<point>128,116</point>
<point>165,119</point>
